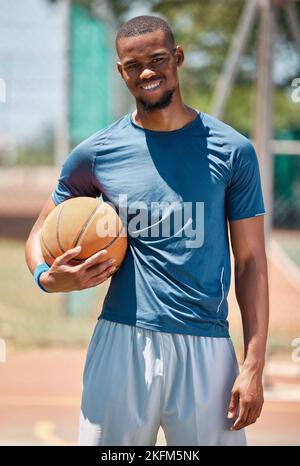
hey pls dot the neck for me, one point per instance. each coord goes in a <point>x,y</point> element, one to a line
<point>173,117</point>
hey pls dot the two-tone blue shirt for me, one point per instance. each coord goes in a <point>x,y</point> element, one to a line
<point>180,188</point>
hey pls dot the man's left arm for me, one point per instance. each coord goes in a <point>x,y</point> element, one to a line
<point>251,288</point>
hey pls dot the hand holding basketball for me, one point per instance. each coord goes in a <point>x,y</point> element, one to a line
<point>84,241</point>
<point>64,277</point>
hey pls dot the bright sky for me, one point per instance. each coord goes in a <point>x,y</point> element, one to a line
<point>30,62</point>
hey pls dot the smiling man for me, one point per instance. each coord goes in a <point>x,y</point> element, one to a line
<point>161,353</point>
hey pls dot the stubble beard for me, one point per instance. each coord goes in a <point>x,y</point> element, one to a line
<point>163,102</point>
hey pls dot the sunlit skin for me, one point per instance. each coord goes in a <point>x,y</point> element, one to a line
<point>151,59</point>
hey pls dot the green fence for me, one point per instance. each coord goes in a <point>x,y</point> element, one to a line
<point>91,103</point>
<point>90,76</point>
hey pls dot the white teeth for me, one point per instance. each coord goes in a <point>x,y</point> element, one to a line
<point>151,86</point>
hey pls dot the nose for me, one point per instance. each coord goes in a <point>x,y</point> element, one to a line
<point>147,73</point>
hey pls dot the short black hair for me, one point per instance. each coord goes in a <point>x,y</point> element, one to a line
<point>143,24</point>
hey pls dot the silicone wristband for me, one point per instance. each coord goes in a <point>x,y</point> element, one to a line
<point>38,272</point>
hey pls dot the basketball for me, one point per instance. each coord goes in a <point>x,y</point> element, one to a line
<point>85,222</point>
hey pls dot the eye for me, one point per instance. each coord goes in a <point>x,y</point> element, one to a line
<point>132,66</point>
<point>158,59</point>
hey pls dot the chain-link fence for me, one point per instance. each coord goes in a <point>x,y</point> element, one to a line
<point>58,75</point>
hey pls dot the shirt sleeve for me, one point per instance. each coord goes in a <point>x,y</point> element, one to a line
<point>77,176</point>
<point>244,197</point>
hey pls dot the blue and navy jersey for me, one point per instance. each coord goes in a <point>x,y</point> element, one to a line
<point>176,191</point>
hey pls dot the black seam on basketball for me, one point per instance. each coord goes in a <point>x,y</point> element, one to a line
<point>105,247</point>
<point>112,241</point>
<point>46,248</point>
<point>57,229</point>
<point>78,260</point>
<point>88,220</point>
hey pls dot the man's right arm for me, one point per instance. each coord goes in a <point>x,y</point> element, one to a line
<point>64,275</point>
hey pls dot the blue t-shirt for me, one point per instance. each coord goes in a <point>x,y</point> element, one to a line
<point>186,183</point>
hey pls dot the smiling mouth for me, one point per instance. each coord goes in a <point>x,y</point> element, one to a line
<point>151,86</point>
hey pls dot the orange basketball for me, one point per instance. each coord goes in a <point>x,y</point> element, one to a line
<point>86,222</point>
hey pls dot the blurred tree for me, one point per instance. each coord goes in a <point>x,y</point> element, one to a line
<point>205,28</point>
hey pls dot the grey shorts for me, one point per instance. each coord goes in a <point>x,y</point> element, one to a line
<point>136,380</point>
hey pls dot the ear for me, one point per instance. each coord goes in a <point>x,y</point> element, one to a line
<point>120,69</point>
<point>179,55</point>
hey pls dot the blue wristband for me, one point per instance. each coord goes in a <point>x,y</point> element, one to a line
<point>38,272</point>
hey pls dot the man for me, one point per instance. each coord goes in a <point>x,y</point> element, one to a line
<point>161,354</point>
